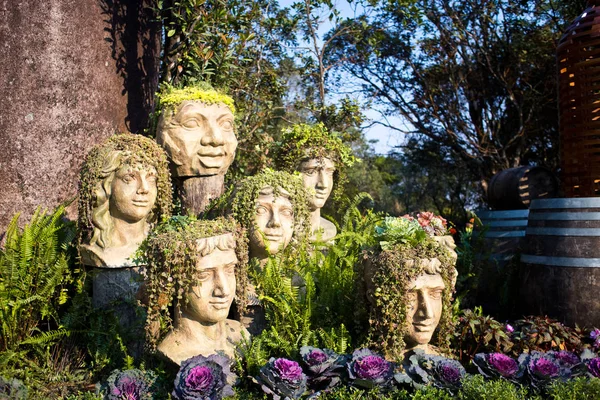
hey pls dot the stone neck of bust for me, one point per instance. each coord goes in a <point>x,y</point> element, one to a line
<point>125,233</point>
<point>315,219</point>
<point>206,330</point>
<point>424,347</point>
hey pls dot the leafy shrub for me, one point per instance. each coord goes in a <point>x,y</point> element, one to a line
<point>544,334</point>
<point>476,388</point>
<point>576,389</point>
<point>478,333</point>
<point>34,273</point>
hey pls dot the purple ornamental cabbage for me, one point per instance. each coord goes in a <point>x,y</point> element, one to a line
<point>593,367</point>
<point>425,369</point>
<point>324,367</point>
<point>204,378</point>
<point>498,365</point>
<point>282,378</point>
<point>368,370</point>
<point>595,336</point>
<point>543,368</point>
<point>132,384</point>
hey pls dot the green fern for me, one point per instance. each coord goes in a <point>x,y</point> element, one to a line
<point>34,272</point>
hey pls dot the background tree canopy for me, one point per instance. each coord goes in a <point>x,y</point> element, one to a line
<point>470,85</point>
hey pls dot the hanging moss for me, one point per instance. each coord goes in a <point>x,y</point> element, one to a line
<point>170,97</point>
<point>171,254</point>
<point>134,149</point>
<point>303,141</point>
<point>395,268</point>
<point>243,201</point>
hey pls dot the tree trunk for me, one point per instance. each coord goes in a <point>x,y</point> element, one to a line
<point>197,192</point>
<point>74,72</point>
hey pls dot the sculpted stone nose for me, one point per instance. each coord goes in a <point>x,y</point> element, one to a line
<point>143,186</point>
<point>274,221</point>
<point>212,136</point>
<point>221,288</point>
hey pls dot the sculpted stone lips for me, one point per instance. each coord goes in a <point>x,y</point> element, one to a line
<point>424,326</point>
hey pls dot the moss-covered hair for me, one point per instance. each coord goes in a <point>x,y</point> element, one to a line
<point>172,252</point>
<point>169,97</point>
<point>97,174</point>
<point>391,272</point>
<point>242,204</point>
<point>303,141</point>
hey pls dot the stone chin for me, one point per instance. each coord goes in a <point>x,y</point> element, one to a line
<point>200,168</point>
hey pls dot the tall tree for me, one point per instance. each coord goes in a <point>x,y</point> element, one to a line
<point>477,77</point>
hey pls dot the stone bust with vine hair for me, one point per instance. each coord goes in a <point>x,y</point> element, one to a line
<point>196,128</point>
<point>321,158</point>
<point>197,267</point>
<point>409,280</point>
<point>273,207</point>
<point>124,189</point>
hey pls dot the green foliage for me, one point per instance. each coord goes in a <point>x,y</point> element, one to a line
<point>544,334</point>
<point>478,333</point>
<point>170,97</point>
<point>34,275</point>
<point>491,108</point>
<point>310,299</point>
<point>393,231</point>
<point>338,271</point>
<point>476,388</point>
<point>576,389</point>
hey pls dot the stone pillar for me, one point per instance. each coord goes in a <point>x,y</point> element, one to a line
<point>73,72</point>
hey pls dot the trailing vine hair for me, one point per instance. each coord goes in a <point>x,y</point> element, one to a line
<point>388,275</point>
<point>96,177</point>
<point>242,205</point>
<point>302,142</point>
<point>172,252</point>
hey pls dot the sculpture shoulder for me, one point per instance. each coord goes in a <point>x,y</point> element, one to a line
<point>95,256</point>
<point>328,228</point>
<point>236,331</point>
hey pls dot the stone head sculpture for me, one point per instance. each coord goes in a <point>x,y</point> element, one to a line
<point>124,188</point>
<point>273,207</point>
<point>321,158</point>
<point>204,263</point>
<point>196,128</point>
<point>410,286</point>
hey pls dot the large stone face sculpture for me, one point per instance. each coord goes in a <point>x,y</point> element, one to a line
<point>196,128</point>
<point>208,260</point>
<point>124,189</point>
<point>273,207</point>
<point>410,287</point>
<point>321,159</point>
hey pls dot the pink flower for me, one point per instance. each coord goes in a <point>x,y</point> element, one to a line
<point>509,328</point>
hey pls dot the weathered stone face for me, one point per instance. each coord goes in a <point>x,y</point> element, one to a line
<point>273,223</point>
<point>210,299</point>
<point>199,139</point>
<point>317,175</point>
<point>133,193</point>
<point>424,309</point>
<point>68,82</point>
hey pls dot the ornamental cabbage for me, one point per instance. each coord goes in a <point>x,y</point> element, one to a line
<point>204,378</point>
<point>282,378</point>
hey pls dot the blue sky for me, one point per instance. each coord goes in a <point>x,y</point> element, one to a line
<point>386,139</point>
